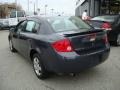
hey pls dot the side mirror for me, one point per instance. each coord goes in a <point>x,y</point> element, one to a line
<point>12,29</point>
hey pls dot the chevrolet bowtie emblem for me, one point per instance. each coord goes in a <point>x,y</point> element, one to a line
<point>92,39</point>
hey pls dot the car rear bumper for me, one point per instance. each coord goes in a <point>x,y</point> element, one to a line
<point>74,63</point>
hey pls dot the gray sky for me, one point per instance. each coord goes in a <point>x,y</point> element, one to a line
<point>66,6</point>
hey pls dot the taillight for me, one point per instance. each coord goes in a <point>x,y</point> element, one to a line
<point>106,26</point>
<point>62,46</point>
<point>105,39</point>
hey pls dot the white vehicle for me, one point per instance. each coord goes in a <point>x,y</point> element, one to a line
<point>15,17</point>
<point>4,23</point>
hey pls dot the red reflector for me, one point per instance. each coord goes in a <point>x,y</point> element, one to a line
<point>62,46</point>
<point>106,26</point>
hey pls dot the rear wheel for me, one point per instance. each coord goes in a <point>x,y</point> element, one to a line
<point>38,67</point>
<point>12,49</point>
<point>118,40</point>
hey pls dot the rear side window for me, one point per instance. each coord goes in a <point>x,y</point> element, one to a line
<point>37,26</point>
<point>30,26</point>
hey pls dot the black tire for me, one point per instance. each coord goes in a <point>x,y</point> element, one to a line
<point>12,49</point>
<point>117,42</point>
<point>42,73</point>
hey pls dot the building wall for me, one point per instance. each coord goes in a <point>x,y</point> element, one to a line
<point>98,7</point>
<point>92,6</point>
<point>85,6</point>
<point>5,9</point>
<point>80,9</point>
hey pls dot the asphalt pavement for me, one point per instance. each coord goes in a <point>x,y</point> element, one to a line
<point>16,73</point>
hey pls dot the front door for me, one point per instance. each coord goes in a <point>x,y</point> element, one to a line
<point>15,39</point>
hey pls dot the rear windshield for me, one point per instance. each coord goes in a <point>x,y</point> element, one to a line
<point>106,18</point>
<point>60,24</point>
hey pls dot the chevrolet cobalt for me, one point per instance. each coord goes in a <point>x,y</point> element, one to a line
<point>59,44</point>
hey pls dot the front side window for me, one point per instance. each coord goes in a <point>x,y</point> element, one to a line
<point>67,24</point>
<point>20,26</point>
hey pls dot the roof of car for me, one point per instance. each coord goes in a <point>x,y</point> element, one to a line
<point>108,18</point>
<point>39,17</point>
<point>36,17</point>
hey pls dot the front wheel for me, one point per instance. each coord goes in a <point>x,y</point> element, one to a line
<point>38,67</point>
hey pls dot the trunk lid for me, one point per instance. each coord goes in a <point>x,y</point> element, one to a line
<point>87,42</point>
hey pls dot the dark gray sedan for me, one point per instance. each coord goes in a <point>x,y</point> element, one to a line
<point>59,44</point>
<point>109,23</point>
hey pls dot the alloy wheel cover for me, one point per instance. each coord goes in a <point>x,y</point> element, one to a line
<point>37,66</point>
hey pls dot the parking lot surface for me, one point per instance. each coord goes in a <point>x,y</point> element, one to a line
<point>16,73</point>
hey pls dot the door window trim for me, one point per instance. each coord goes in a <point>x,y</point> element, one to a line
<point>34,27</point>
<point>16,28</point>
